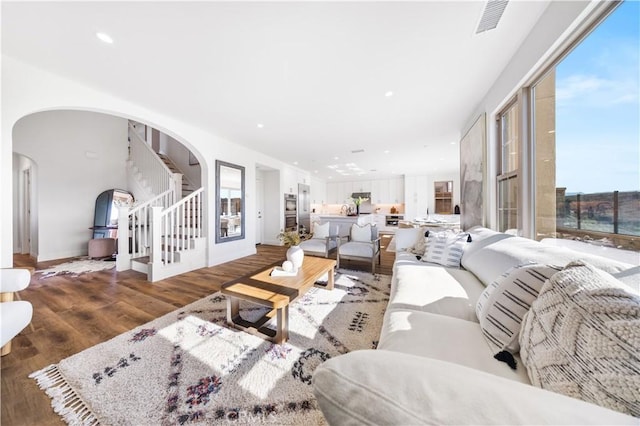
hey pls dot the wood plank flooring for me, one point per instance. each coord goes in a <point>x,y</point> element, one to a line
<point>73,314</point>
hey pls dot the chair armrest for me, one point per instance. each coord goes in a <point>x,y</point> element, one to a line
<point>410,389</point>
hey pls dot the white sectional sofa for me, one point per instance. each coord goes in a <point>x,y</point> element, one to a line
<point>433,364</point>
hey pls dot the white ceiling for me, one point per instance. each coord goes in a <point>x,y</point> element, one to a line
<point>315,74</point>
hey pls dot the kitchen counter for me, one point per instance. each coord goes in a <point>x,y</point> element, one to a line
<point>345,222</point>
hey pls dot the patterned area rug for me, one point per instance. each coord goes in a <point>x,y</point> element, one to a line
<point>189,367</point>
<point>77,267</point>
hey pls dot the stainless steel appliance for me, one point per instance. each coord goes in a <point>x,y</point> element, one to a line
<point>290,212</point>
<point>366,207</point>
<point>304,207</point>
<point>393,219</point>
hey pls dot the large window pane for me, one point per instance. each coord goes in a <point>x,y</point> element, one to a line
<point>586,134</point>
<point>508,209</point>
<point>509,138</point>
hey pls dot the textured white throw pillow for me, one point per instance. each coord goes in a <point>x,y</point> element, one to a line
<point>361,233</point>
<point>581,338</point>
<point>321,231</point>
<point>504,302</point>
<point>445,248</point>
<point>406,238</point>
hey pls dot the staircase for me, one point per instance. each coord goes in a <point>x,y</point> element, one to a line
<point>187,186</point>
<point>163,236</point>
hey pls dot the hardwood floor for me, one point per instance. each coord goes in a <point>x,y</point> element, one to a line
<point>72,314</point>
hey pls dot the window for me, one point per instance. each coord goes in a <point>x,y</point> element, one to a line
<point>508,170</point>
<point>585,130</point>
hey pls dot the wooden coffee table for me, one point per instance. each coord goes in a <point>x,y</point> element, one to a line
<point>275,293</point>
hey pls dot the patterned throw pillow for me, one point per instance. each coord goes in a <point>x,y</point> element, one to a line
<point>581,338</point>
<point>504,302</point>
<point>445,248</point>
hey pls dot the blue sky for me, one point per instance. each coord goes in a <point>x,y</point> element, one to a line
<point>598,108</point>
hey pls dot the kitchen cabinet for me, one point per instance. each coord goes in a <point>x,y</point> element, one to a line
<point>291,178</point>
<point>318,192</point>
<point>396,190</point>
<point>383,191</point>
<point>362,186</point>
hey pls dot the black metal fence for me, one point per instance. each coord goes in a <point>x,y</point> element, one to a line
<point>607,212</point>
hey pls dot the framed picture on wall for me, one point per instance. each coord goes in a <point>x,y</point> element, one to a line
<point>472,176</point>
<point>193,161</point>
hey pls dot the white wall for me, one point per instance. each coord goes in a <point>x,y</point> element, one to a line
<point>79,155</point>
<point>27,89</point>
<point>553,29</point>
<point>179,154</point>
<point>419,193</point>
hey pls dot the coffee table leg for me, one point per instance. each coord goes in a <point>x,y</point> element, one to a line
<point>282,325</point>
<point>331,273</point>
<point>233,309</point>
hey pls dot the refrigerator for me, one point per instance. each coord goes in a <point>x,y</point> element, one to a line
<point>304,207</point>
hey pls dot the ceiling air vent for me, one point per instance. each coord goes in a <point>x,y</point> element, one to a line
<point>356,151</point>
<point>491,16</point>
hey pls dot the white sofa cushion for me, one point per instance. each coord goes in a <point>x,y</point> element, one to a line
<point>630,277</point>
<point>358,249</point>
<point>321,230</point>
<point>495,258</point>
<point>506,300</point>
<point>581,338</point>
<point>379,387</point>
<point>317,245</point>
<point>405,238</point>
<point>444,338</point>
<point>433,288</point>
<point>445,248</point>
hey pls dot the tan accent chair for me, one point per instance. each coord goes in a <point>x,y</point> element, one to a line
<point>363,244</point>
<point>14,315</point>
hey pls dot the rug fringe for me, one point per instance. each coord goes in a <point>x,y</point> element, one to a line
<point>64,400</point>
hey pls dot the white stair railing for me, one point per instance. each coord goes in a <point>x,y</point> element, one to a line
<point>178,224</point>
<point>135,225</point>
<point>158,176</point>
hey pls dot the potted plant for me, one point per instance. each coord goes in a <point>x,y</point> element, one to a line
<point>357,202</point>
<point>295,254</point>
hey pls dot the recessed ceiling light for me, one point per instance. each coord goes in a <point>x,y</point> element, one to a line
<point>388,94</point>
<point>330,177</point>
<point>295,162</point>
<point>260,125</point>
<point>104,37</point>
<point>336,158</point>
<point>453,143</point>
<point>315,171</point>
<point>386,151</point>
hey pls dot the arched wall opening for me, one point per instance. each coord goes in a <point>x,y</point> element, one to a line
<point>79,154</point>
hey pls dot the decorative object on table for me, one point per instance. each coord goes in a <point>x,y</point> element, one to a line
<point>393,210</point>
<point>295,254</point>
<point>189,367</point>
<point>358,201</point>
<point>286,270</point>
